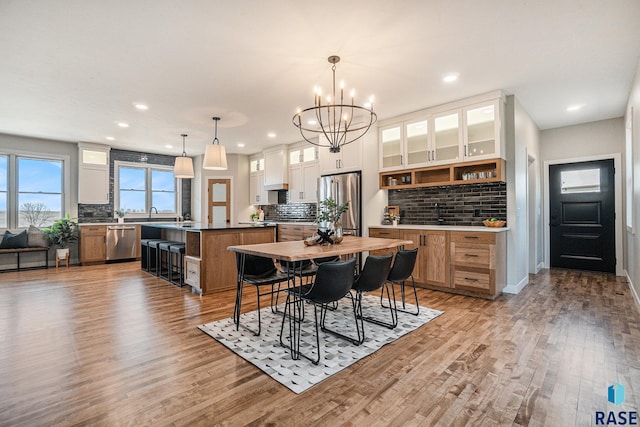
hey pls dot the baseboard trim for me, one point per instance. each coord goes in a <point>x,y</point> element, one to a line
<point>539,267</point>
<point>515,289</point>
<point>633,290</point>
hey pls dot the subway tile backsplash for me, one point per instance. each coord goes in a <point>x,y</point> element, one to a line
<point>293,212</point>
<point>458,204</point>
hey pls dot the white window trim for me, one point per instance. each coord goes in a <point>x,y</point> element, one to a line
<point>12,184</point>
<point>148,167</point>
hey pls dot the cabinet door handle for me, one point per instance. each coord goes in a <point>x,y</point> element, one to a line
<point>471,255</point>
<point>401,159</point>
<point>470,237</point>
<point>471,279</point>
<point>465,150</point>
<point>301,195</point>
<point>433,155</point>
<point>428,155</point>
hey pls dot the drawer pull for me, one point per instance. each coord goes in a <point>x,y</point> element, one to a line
<point>471,255</point>
<point>470,237</point>
<point>471,279</point>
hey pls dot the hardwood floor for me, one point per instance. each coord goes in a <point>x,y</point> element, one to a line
<point>112,345</point>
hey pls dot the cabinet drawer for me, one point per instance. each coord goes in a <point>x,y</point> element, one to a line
<point>384,233</point>
<point>472,280</point>
<point>471,254</point>
<point>192,271</point>
<point>93,229</point>
<point>473,237</point>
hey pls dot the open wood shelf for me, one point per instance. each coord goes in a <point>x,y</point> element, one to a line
<point>455,174</point>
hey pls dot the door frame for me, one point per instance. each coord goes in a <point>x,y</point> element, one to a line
<point>617,164</point>
<point>229,193</point>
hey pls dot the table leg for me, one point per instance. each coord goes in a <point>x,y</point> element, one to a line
<point>238,305</point>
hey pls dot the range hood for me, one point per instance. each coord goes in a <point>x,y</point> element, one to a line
<point>276,169</point>
<point>276,187</point>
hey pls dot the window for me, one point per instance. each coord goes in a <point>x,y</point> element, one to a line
<point>140,188</point>
<point>580,181</point>
<point>31,190</point>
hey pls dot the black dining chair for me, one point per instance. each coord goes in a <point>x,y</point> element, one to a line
<point>261,273</point>
<point>332,282</point>
<point>373,277</point>
<point>401,271</point>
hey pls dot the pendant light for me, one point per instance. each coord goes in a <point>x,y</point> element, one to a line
<point>215,157</point>
<point>184,165</point>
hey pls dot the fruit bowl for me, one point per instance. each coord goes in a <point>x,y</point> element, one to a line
<point>496,224</point>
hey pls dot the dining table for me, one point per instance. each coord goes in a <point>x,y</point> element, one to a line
<point>296,251</point>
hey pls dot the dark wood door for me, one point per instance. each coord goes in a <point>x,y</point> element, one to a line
<point>582,215</point>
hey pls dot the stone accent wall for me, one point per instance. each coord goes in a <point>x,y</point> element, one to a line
<point>104,213</point>
<point>294,212</point>
<point>459,204</point>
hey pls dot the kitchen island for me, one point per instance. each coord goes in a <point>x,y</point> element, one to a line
<point>208,266</point>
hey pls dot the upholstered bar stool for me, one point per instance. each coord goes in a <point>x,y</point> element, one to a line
<point>153,255</point>
<point>144,253</point>
<point>164,259</point>
<point>178,251</point>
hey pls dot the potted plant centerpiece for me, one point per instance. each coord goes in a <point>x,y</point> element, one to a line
<point>328,218</point>
<point>61,233</point>
<point>120,213</point>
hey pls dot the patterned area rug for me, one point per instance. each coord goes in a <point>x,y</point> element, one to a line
<point>266,353</point>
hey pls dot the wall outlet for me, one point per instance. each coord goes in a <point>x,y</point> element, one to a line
<point>476,213</point>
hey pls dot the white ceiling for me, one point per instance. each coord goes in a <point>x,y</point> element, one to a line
<point>71,69</point>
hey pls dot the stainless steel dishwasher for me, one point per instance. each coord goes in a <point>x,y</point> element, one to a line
<point>121,242</point>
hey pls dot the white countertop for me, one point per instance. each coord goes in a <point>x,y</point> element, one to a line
<point>480,228</point>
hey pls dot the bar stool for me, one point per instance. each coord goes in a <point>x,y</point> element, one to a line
<point>164,253</point>
<point>177,249</point>
<point>153,254</point>
<point>144,253</point>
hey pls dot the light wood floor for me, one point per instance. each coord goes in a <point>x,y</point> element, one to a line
<point>111,345</point>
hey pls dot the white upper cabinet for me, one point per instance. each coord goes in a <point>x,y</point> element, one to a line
<point>304,171</point>
<point>275,168</point>
<point>447,138</point>
<point>349,159</point>
<point>468,130</point>
<point>482,131</point>
<point>93,173</point>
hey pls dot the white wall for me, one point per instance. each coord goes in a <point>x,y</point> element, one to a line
<point>632,246</point>
<point>373,199</point>
<point>237,172</point>
<point>522,141</point>
<point>588,141</point>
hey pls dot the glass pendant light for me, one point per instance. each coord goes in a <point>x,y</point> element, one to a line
<point>184,165</point>
<point>215,157</point>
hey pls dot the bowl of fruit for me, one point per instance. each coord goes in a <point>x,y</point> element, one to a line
<point>494,222</point>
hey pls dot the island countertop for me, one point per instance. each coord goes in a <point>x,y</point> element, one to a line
<point>201,226</point>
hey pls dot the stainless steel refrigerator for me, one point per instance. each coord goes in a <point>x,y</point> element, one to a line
<point>342,188</point>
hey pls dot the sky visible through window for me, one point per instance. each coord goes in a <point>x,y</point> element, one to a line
<point>133,190</point>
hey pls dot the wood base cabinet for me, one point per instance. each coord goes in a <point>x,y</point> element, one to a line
<point>478,262</point>
<point>291,232</point>
<point>432,264</point>
<point>93,241</point>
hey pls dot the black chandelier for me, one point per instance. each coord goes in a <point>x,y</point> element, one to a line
<point>334,123</point>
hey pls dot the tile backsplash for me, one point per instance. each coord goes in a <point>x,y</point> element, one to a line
<point>458,204</point>
<point>293,212</point>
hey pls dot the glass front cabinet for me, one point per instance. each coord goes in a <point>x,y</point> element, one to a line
<point>460,134</point>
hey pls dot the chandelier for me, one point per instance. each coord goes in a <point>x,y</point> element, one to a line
<point>334,123</point>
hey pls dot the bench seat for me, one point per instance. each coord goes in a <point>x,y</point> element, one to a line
<point>18,251</point>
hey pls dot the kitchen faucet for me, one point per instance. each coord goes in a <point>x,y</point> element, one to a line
<point>440,219</point>
<point>151,211</point>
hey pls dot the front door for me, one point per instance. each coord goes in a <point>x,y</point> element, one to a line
<point>219,201</point>
<point>582,215</point>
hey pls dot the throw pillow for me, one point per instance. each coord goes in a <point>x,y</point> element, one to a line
<point>37,238</point>
<point>14,241</point>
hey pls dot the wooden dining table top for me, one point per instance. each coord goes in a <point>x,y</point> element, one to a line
<point>297,250</point>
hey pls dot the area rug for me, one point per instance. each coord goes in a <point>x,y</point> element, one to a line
<point>266,353</point>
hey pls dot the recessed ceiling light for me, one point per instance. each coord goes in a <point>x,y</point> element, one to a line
<point>110,138</point>
<point>141,107</point>
<point>451,77</point>
<point>574,107</point>
<point>168,146</point>
<point>240,144</point>
<point>271,135</point>
<point>123,124</point>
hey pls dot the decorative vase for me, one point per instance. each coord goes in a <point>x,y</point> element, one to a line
<point>121,220</point>
<point>62,253</point>
<point>337,233</point>
<point>324,225</point>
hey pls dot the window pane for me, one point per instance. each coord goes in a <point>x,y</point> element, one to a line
<point>164,201</point>
<point>132,201</point>
<point>39,175</point>
<point>309,154</point>
<point>580,181</point>
<point>38,209</point>
<point>162,180</point>
<point>132,179</point>
<point>3,191</point>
